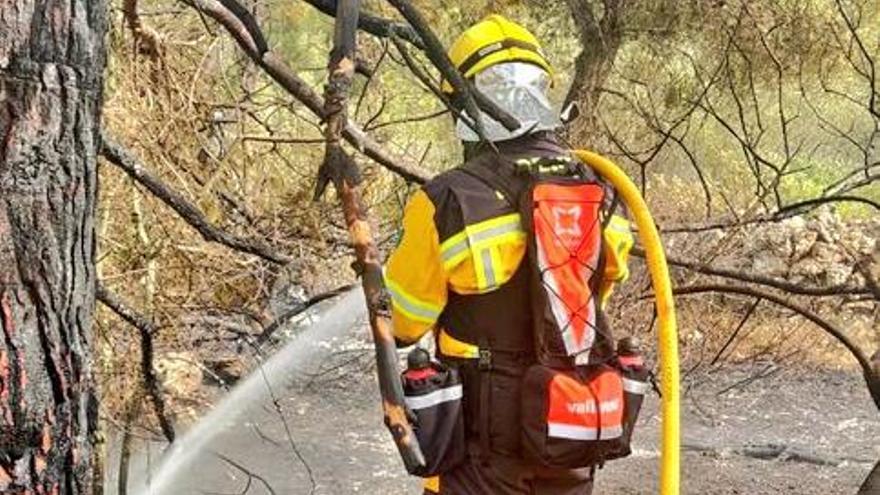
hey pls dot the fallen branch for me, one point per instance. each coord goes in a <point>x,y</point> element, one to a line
<point>342,170</point>
<point>145,329</point>
<point>189,212</point>
<point>756,278</point>
<point>872,378</point>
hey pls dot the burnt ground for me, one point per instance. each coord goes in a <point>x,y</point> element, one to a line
<point>792,432</point>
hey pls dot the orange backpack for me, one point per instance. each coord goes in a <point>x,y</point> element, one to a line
<point>579,403</point>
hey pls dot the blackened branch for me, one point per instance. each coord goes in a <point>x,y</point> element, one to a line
<point>146,329</point>
<point>189,212</point>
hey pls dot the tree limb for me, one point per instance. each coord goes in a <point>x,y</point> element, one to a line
<point>129,163</point>
<point>469,98</point>
<point>872,378</point>
<point>249,37</point>
<point>375,25</point>
<point>145,329</point>
<point>342,170</point>
<point>756,278</point>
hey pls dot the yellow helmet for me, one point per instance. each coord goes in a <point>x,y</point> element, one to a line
<point>491,41</point>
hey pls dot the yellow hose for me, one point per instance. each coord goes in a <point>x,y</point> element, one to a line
<point>668,334</point>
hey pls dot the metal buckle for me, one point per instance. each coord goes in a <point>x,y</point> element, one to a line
<point>485,363</point>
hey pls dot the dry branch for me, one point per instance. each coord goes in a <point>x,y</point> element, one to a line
<point>377,26</point>
<point>342,170</point>
<point>145,329</point>
<point>872,378</point>
<point>129,163</point>
<point>146,39</point>
<point>757,278</point>
<point>466,95</point>
<point>246,32</point>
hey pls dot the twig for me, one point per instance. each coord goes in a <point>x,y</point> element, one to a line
<point>250,474</point>
<point>377,26</point>
<point>471,99</point>
<point>742,323</point>
<point>871,377</point>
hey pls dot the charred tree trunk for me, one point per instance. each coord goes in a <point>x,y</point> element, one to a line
<point>51,74</point>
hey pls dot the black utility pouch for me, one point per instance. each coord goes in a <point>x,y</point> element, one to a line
<point>636,383</point>
<point>434,397</point>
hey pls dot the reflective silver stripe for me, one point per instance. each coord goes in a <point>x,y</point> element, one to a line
<point>454,250</point>
<point>499,230</point>
<point>512,225</point>
<point>488,270</point>
<point>635,386</point>
<point>411,307</point>
<point>574,432</point>
<point>434,398</point>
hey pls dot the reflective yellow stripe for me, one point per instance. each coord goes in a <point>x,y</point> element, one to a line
<point>487,233</point>
<point>454,249</point>
<point>410,306</point>
<point>452,347</point>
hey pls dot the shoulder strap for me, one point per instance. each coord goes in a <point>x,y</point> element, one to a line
<point>506,185</point>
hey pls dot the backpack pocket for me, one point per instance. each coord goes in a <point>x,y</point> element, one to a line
<point>574,418</point>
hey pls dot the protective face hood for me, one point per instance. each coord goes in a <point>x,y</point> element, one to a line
<point>521,90</point>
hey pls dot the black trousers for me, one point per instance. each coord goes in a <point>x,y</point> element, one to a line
<point>500,475</point>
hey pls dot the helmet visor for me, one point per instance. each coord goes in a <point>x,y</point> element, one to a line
<point>520,89</point>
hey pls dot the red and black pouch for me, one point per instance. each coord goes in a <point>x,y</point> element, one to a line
<point>581,417</point>
<point>433,397</point>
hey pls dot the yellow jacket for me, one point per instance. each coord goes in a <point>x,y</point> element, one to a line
<point>439,252</point>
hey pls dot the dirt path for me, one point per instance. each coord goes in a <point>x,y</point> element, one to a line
<point>825,421</point>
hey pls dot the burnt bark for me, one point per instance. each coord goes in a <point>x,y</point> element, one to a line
<point>51,75</point>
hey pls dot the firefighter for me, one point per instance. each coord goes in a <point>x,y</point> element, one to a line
<point>458,269</point>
